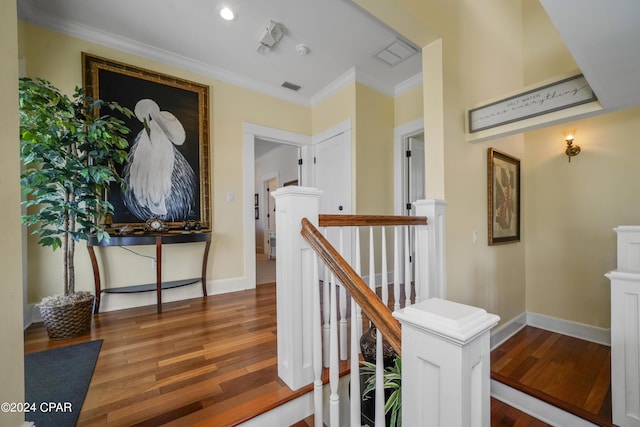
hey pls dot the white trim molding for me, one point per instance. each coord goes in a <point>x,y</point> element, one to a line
<point>565,327</point>
<point>569,328</point>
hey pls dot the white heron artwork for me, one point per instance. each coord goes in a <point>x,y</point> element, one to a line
<point>160,182</point>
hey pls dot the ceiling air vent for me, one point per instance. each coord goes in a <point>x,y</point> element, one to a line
<point>291,86</point>
<point>395,52</point>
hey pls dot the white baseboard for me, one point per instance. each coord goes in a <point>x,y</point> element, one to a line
<point>111,302</point>
<point>569,328</point>
<point>284,415</point>
<point>535,407</point>
<point>508,329</point>
<point>553,324</point>
<point>302,407</point>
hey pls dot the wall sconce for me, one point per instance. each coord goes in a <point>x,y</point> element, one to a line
<point>572,150</point>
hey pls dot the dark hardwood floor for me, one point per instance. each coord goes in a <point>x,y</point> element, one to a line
<point>567,372</point>
<point>201,362</point>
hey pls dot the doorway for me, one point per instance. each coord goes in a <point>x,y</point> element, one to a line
<point>275,163</point>
<point>414,173</point>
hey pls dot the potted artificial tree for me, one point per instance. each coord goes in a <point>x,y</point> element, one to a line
<point>69,151</point>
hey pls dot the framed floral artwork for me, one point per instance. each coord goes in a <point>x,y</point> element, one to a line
<point>504,197</point>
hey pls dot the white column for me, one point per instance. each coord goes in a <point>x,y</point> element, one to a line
<point>430,256</point>
<point>294,284</point>
<point>445,364</point>
<point>625,329</point>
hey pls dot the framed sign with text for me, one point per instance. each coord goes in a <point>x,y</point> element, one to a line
<point>552,97</point>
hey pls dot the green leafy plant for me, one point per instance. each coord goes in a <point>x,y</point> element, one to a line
<point>392,382</point>
<point>69,151</point>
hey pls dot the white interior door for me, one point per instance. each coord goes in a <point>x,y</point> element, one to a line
<point>414,170</point>
<point>332,159</point>
<point>332,175</point>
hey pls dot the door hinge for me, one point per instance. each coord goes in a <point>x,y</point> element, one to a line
<point>314,160</point>
<point>409,206</point>
<point>300,161</point>
<point>408,153</point>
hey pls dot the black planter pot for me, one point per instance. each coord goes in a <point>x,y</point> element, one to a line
<point>368,405</point>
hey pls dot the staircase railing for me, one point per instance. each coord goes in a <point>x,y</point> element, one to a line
<point>314,282</point>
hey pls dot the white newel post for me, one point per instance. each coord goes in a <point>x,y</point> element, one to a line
<point>430,257</point>
<point>294,287</point>
<point>445,364</point>
<point>625,329</point>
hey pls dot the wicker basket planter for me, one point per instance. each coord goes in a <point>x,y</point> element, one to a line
<point>68,320</point>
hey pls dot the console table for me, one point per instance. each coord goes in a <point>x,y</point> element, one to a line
<point>157,239</point>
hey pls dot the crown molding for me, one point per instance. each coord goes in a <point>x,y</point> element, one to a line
<point>374,83</point>
<point>29,13</point>
<point>407,85</point>
<point>334,87</point>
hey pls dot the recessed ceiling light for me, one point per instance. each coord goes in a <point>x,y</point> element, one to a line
<point>227,14</point>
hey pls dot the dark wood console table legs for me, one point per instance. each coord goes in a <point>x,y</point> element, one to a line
<point>150,239</point>
<point>205,257</point>
<point>159,273</point>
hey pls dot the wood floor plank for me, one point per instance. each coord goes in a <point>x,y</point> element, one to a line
<point>567,372</point>
<point>201,362</point>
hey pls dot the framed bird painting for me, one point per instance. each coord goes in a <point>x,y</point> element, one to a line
<point>167,169</point>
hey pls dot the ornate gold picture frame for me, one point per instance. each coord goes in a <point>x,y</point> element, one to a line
<point>167,172</point>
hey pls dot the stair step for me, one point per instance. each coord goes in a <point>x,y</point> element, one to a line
<point>568,373</point>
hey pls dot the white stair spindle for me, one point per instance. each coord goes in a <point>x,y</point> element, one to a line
<point>407,268</point>
<point>343,308</point>
<point>334,368</point>
<point>372,261</point>
<point>354,364</point>
<point>418,267</point>
<point>317,348</point>
<point>384,281</point>
<point>396,269</point>
<point>326,310</point>
<point>358,269</point>
<point>379,393</point>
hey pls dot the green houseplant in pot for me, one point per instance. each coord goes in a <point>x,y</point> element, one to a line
<point>392,384</point>
<point>69,151</point>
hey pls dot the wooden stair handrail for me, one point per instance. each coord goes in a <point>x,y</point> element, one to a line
<point>326,220</point>
<point>371,305</point>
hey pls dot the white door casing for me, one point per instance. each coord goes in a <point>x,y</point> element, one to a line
<point>401,135</point>
<point>250,133</point>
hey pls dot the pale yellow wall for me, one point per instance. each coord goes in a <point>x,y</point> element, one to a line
<point>487,49</point>
<point>11,337</point>
<point>408,106</point>
<point>332,111</point>
<point>487,59</point>
<point>56,57</point>
<point>572,209</point>
<point>374,152</point>
<point>545,54</point>
<point>478,56</point>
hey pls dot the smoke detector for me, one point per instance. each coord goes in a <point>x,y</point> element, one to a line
<point>302,50</point>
